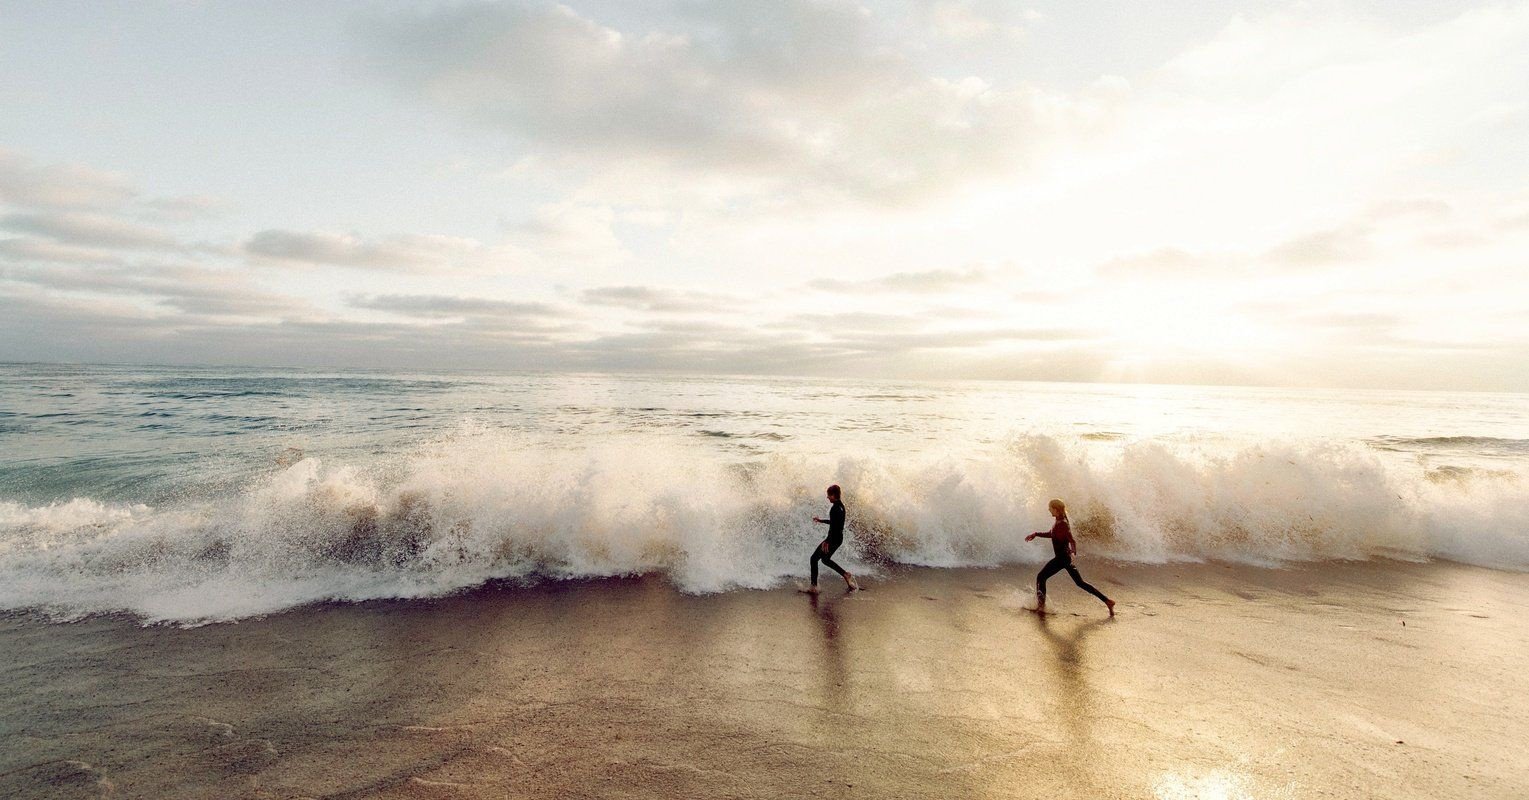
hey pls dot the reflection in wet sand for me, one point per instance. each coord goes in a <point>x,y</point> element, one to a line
<point>925,688</point>
<point>1075,706</point>
<point>833,690</point>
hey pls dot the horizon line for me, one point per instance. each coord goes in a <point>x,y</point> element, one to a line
<point>671,373</point>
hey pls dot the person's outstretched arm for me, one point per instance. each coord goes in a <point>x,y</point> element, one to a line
<point>1044,534</point>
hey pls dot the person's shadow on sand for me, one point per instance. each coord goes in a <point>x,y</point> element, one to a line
<point>835,675</point>
<point>1075,701</point>
<point>828,616</point>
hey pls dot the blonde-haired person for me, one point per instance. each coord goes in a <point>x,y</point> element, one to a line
<point>1064,547</point>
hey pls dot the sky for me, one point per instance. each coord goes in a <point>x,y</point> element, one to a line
<point>1270,193</point>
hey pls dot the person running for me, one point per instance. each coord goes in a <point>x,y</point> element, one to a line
<point>825,550</point>
<point>1064,547</point>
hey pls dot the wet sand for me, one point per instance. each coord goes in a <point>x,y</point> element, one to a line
<point>1344,680</point>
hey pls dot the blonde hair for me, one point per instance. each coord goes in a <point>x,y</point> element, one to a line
<point>1057,505</point>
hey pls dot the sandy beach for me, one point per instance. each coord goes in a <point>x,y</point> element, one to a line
<point>442,400</point>
<point>1344,680</point>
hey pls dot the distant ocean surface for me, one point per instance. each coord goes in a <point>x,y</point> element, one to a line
<point>199,495</point>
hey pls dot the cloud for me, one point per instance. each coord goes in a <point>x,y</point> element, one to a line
<point>721,155</point>
<point>878,347</point>
<point>955,339</point>
<point>73,328</point>
<point>570,231</point>
<point>1514,222</point>
<point>60,186</point>
<point>851,321</point>
<point>713,349</point>
<point>810,91</point>
<point>76,214</point>
<point>861,332</point>
<point>91,230</point>
<point>201,293</point>
<point>1411,208</point>
<point>405,253</point>
<point>187,207</point>
<point>1322,248</point>
<point>1167,262</point>
<point>923,282</point>
<point>968,20</point>
<point>196,291</point>
<point>649,298</point>
<point>1349,320</point>
<point>90,329</point>
<point>716,330</point>
<point>1348,244</point>
<point>437,306</point>
<point>28,249</point>
<point>958,20</point>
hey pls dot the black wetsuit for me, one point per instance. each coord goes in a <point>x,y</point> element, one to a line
<point>835,538</point>
<point>1061,539</point>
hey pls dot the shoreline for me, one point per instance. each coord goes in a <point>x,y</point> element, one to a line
<point>1339,679</point>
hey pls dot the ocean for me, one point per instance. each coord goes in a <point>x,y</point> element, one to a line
<point>198,495</point>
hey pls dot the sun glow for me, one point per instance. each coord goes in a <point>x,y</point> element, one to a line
<point>1153,331</point>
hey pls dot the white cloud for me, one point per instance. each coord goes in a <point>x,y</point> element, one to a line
<point>195,292</point>
<point>958,20</point>
<point>652,298</point>
<point>570,233</point>
<point>1307,196</point>
<point>436,306</point>
<point>63,186</point>
<point>404,253</point>
<point>27,249</point>
<point>90,230</point>
<point>920,282</point>
<point>965,20</point>
<point>801,92</point>
<point>188,207</point>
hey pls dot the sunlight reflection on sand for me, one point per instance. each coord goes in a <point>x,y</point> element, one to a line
<point>1215,784</point>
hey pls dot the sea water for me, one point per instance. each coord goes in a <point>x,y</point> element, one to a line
<point>206,494</point>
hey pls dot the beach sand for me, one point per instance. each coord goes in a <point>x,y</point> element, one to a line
<point>1340,680</point>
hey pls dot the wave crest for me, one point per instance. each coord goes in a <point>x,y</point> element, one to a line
<point>483,507</point>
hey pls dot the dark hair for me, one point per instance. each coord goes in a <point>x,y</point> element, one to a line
<point>834,490</point>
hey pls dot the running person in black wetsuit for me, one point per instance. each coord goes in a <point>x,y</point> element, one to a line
<point>824,551</point>
<point>1064,547</point>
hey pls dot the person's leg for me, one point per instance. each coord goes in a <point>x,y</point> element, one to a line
<point>1072,572</point>
<point>817,555</point>
<point>1052,567</point>
<point>828,559</point>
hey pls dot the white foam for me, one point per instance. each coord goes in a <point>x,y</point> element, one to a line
<point>485,506</point>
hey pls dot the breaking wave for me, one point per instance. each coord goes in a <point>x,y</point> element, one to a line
<point>1490,445</point>
<point>484,506</point>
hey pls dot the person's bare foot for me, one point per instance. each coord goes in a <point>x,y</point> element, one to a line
<point>1110,604</point>
<point>849,580</point>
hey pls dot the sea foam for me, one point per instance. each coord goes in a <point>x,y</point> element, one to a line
<point>485,506</point>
